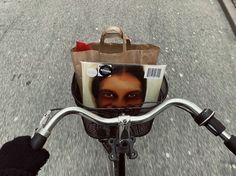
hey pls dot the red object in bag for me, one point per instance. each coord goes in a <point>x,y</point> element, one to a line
<point>82,46</point>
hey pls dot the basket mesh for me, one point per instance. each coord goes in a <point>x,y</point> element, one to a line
<point>104,131</point>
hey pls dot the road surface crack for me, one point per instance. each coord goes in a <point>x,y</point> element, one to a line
<point>11,26</point>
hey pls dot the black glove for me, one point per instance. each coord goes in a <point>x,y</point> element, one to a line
<point>17,156</point>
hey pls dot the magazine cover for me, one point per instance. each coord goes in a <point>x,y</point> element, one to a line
<point>107,85</point>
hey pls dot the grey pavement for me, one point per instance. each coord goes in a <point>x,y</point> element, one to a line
<point>197,44</point>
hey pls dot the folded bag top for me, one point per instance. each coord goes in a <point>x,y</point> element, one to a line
<point>126,52</point>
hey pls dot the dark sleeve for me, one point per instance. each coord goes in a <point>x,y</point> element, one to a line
<point>14,172</point>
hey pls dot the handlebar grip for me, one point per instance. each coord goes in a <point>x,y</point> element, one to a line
<point>231,144</point>
<point>38,141</point>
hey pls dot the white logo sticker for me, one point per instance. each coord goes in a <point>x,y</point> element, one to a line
<point>91,72</point>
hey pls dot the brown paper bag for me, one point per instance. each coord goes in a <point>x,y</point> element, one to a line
<point>114,53</point>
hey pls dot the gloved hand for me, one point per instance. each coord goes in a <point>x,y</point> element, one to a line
<point>18,158</point>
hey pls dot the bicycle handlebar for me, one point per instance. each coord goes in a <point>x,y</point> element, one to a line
<point>202,117</point>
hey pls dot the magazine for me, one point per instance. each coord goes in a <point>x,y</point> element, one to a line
<point>107,85</point>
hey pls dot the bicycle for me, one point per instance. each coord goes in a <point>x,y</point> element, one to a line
<point>121,141</point>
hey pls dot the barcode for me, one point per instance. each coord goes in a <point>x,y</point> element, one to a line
<point>153,73</point>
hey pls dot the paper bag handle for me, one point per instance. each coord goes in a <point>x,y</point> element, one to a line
<point>112,32</point>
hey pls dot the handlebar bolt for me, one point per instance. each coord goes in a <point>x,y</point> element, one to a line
<point>134,155</point>
<point>112,157</point>
<point>124,121</point>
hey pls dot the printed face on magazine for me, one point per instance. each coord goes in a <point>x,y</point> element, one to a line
<point>120,91</point>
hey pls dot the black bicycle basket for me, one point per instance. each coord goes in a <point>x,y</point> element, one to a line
<point>104,131</point>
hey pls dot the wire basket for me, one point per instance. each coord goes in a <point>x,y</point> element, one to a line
<point>103,131</point>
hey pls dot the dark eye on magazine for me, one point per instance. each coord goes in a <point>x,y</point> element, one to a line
<point>133,95</point>
<point>107,94</point>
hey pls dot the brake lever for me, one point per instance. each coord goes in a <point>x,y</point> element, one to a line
<point>207,118</point>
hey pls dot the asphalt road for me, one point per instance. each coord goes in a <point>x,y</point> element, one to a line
<point>197,45</point>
